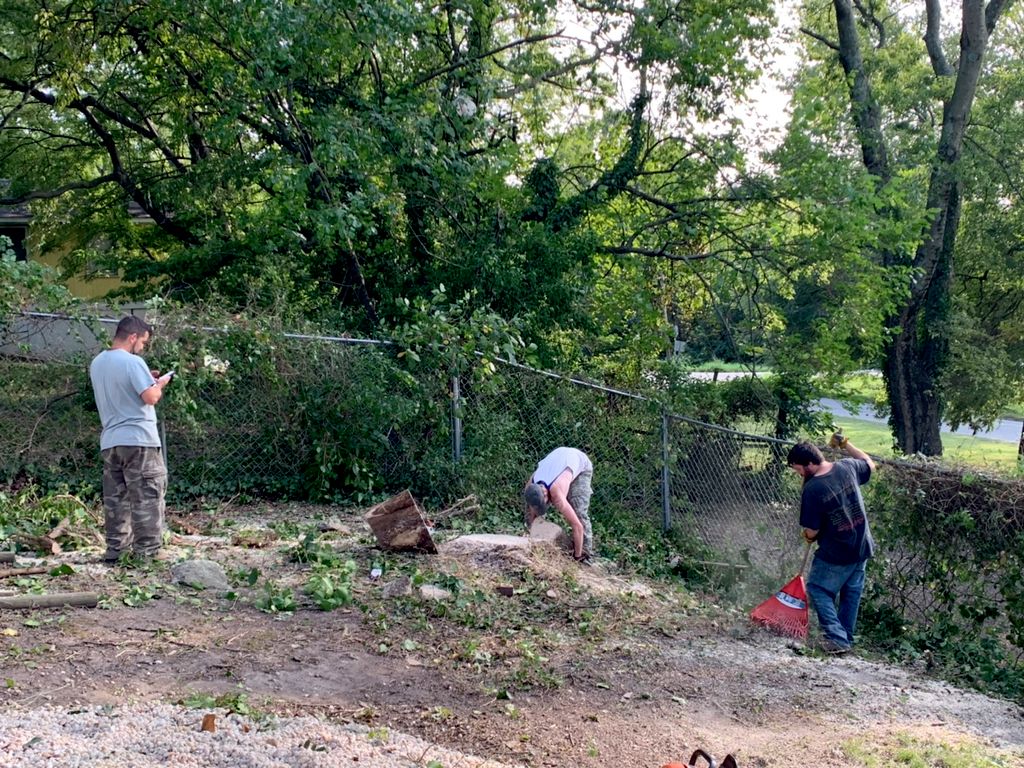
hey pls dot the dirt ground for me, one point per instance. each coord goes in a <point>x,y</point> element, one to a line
<point>582,667</point>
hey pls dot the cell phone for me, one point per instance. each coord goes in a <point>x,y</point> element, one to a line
<point>170,374</point>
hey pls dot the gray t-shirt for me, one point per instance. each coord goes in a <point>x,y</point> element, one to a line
<point>559,460</point>
<point>118,380</point>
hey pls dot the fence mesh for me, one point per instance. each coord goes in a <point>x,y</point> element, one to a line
<point>511,422</point>
<point>736,492</point>
<point>293,417</point>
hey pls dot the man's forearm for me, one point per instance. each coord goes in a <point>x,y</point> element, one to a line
<point>573,519</point>
<point>577,540</point>
<point>857,453</point>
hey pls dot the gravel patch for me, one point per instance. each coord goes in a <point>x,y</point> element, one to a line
<point>150,735</point>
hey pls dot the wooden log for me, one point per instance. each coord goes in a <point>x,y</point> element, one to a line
<point>7,557</point>
<point>59,600</point>
<point>38,543</point>
<point>59,529</point>
<point>398,523</point>
<point>9,573</point>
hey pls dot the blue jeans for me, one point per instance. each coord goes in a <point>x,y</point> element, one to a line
<point>827,582</point>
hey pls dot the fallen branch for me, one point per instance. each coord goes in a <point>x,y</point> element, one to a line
<point>466,506</point>
<point>59,529</point>
<point>9,573</point>
<point>717,564</point>
<point>72,599</point>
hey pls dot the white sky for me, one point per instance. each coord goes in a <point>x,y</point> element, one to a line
<point>765,112</point>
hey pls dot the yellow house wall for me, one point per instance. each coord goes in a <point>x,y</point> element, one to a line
<point>78,286</point>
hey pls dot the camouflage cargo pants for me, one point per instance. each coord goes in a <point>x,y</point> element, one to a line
<point>579,497</point>
<point>134,482</point>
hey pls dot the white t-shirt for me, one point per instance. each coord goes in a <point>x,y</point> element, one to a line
<point>559,460</point>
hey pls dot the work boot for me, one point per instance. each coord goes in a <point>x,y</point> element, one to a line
<point>832,648</point>
<point>110,558</point>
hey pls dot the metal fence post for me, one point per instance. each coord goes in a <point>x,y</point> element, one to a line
<point>666,485</point>
<point>456,422</point>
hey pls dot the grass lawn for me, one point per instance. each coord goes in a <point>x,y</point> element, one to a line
<point>869,388</point>
<point>957,449</point>
<point>903,750</point>
<point>718,365</point>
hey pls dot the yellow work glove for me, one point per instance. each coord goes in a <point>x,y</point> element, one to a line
<point>838,440</point>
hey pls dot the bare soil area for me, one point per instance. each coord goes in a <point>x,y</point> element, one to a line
<point>577,666</point>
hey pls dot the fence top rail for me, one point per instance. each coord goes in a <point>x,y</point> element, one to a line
<point>504,361</point>
<point>572,380</point>
<point>727,431</point>
<point>211,329</point>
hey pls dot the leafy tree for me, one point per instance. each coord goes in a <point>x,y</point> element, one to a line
<point>26,285</point>
<point>332,158</point>
<point>988,302</point>
<point>909,100</point>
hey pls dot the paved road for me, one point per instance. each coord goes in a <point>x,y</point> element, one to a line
<point>1005,430</point>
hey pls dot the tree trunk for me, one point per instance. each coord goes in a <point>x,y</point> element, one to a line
<point>917,353</point>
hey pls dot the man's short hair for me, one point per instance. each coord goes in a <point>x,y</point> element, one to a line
<point>804,453</point>
<point>535,496</point>
<point>132,324</point>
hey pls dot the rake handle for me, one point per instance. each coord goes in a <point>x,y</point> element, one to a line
<point>803,564</point>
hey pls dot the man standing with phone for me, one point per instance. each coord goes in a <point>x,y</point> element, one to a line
<point>134,471</point>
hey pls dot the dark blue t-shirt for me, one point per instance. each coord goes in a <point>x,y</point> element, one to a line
<point>832,505</point>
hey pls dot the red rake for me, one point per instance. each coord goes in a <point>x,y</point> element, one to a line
<point>785,612</point>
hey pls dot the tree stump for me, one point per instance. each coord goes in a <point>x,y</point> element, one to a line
<point>399,524</point>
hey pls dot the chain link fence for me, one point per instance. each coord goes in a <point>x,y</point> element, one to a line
<point>735,491</point>
<point>297,416</point>
<point>279,415</point>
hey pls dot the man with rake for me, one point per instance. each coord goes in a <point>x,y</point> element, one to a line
<point>832,513</point>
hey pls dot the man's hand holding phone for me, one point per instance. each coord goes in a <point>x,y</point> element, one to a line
<point>167,377</point>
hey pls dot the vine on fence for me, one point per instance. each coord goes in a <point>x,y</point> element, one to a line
<point>949,584</point>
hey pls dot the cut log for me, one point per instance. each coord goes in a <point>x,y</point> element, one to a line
<point>38,543</point>
<point>398,523</point>
<point>71,599</point>
<point>10,573</point>
<point>59,529</point>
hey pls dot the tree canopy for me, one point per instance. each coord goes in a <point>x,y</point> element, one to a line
<point>565,171</point>
<point>336,157</point>
<point>890,96</point>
